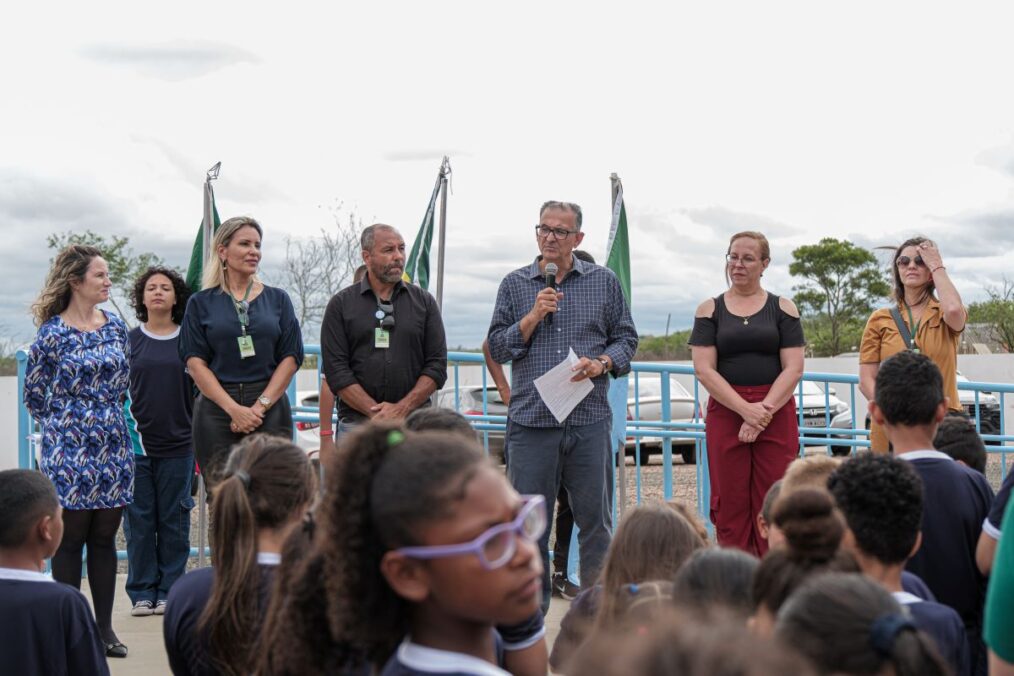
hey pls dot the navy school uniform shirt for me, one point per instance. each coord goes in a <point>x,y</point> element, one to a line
<point>211,328</point>
<point>412,659</point>
<point>943,625</point>
<point>186,647</point>
<point>957,500</point>
<point>161,396</point>
<point>914,585</point>
<point>993,525</point>
<point>47,628</point>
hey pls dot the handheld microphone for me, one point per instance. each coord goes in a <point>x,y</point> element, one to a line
<point>551,271</point>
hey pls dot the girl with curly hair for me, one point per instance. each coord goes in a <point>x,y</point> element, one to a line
<point>213,616</point>
<point>75,384</point>
<point>422,547</point>
<point>159,418</point>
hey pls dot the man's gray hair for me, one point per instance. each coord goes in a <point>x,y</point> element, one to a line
<point>563,206</point>
<point>369,236</point>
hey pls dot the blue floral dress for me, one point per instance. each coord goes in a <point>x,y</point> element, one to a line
<point>74,387</point>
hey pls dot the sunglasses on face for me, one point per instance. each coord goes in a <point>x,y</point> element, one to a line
<point>904,261</point>
<point>498,544</point>
<point>385,313</point>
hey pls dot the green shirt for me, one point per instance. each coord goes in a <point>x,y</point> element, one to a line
<point>999,631</point>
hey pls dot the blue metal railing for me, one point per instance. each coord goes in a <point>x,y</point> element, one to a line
<point>685,431</point>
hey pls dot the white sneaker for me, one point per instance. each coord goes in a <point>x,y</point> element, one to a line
<point>160,608</point>
<point>142,609</point>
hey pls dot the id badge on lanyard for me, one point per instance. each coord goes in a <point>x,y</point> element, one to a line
<point>246,345</point>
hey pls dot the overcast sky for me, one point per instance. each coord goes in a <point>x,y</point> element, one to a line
<point>871,121</point>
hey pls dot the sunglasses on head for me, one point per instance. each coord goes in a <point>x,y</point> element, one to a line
<point>903,261</point>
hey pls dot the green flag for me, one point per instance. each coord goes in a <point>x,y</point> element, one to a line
<point>618,247</point>
<point>417,268</point>
<point>195,271</point>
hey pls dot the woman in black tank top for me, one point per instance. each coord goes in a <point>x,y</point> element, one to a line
<point>747,346</point>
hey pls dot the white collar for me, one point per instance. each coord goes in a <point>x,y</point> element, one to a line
<point>431,660</point>
<point>925,455</point>
<point>23,575</point>
<point>905,598</point>
<point>168,336</point>
<point>269,558</point>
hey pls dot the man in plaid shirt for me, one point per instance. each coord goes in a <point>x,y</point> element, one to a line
<point>590,315</point>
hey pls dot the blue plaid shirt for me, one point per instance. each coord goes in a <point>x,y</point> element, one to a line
<point>593,318</point>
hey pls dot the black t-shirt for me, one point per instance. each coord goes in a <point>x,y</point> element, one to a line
<point>161,395</point>
<point>46,628</point>
<point>748,347</point>
<point>186,647</point>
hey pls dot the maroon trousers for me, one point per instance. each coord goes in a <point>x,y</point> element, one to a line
<point>740,473</point>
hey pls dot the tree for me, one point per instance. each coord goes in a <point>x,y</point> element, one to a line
<point>842,283</point>
<point>124,265</point>
<point>316,268</point>
<point>997,314</point>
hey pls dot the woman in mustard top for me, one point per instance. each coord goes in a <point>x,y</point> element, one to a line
<point>934,321</point>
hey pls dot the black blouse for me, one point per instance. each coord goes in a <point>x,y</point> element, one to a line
<point>748,347</point>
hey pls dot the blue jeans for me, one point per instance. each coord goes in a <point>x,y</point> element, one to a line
<point>578,457</point>
<point>157,526</point>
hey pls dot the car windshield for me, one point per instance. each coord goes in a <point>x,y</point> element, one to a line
<point>650,385</point>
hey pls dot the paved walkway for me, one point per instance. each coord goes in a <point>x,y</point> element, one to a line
<point>143,635</point>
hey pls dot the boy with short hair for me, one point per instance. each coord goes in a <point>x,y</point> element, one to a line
<point>909,402</point>
<point>881,500</point>
<point>47,627</point>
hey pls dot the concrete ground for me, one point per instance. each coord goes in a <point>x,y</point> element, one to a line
<point>143,635</point>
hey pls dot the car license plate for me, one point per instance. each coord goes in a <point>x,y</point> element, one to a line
<point>814,422</point>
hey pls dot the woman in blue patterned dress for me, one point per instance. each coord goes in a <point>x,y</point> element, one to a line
<point>74,387</point>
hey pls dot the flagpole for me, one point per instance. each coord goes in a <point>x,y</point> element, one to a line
<point>207,233</point>
<point>445,170</point>
<point>621,452</point>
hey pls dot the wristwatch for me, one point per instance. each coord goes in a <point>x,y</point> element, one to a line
<point>264,401</point>
<point>605,364</point>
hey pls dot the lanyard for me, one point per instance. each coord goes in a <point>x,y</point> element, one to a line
<point>915,327</point>
<point>242,307</point>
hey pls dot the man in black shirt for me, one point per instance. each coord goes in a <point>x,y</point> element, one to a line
<point>382,340</point>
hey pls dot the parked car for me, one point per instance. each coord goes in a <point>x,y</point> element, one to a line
<point>470,404</point>
<point>683,409</point>
<point>308,433</point>
<point>819,410</point>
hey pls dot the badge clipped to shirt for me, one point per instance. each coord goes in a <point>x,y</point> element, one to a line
<point>381,338</point>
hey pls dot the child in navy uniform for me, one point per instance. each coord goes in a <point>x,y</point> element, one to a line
<point>214,615</point>
<point>909,402</point>
<point>47,627</point>
<point>421,548</point>
<point>881,499</point>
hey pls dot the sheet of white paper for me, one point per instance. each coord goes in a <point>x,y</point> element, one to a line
<point>557,390</point>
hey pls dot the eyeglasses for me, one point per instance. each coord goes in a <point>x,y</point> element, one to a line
<point>558,233</point>
<point>904,261</point>
<point>243,310</point>
<point>385,313</point>
<point>497,545</point>
<point>732,259</point>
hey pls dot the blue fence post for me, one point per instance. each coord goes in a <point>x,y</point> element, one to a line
<point>25,425</point>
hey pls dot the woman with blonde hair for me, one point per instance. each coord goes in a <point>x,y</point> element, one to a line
<point>747,345</point>
<point>917,320</point>
<point>242,344</point>
<point>75,385</point>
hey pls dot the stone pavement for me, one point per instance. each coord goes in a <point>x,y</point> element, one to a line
<point>143,635</point>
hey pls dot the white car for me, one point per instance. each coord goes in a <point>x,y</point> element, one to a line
<point>646,405</point>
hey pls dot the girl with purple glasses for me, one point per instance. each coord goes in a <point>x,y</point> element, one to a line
<point>421,550</point>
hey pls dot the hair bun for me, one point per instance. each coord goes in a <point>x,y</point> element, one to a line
<point>811,527</point>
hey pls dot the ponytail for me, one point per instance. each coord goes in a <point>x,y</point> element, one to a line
<point>267,480</point>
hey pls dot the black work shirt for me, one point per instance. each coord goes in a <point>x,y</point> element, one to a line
<point>417,348</point>
<point>749,347</point>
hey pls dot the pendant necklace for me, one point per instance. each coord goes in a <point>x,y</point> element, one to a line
<point>746,320</point>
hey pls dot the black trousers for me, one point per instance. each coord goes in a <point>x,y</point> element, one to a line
<point>212,437</point>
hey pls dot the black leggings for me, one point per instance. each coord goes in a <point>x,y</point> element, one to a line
<point>97,529</point>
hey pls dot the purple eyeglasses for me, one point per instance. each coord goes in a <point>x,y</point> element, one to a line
<point>497,545</point>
